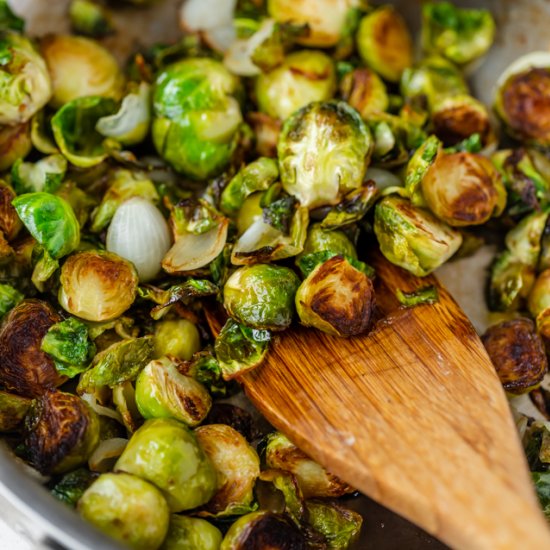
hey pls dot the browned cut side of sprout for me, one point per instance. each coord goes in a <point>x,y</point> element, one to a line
<point>10,224</point>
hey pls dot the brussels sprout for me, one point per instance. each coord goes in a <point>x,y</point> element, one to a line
<point>120,362</point>
<point>250,212</point>
<point>463,189</point>
<point>74,130</point>
<point>80,67</point>
<point>97,285</point>
<point>239,348</point>
<point>204,368</point>
<point>8,20</point>
<point>524,240</point>
<point>323,151</point>
<point>72,486</point>
<point>326,19</point>
<point>365,91</point>
<point>123,185</point>
<point>261,296</point>
<point>461,35</point>
<point>25,83</point>
<point>45,175</point>
<point>89,18</point>
<point>384,43</point>
<point>287,485</point>
<point>10,224</point>
<point>305,76</point>
<point>187,533</point>
<point>320,239</point>
<point>263,530</point>
<point>162,392</point>
<point>517,354</point>
<point>128,509</point>
<point>539,297</point>
<point>541,481</point>
<point>9,298</point>
<point>520,98</point>
<point>313,479</point>
<point>176,337</point>
<point>256,176</point>
<point>237,465</point>
<point>418,166</point>
<point>61,432</point>
<point>25,369</point>
<point>412,237</point>
<point>196,122</point>
<point>42,133</point>
<point>336,298</point>
<point>164,452</point>
<point>339,526</point>
<point>130,125</point>
<point>13,410</point>
<point>15,143</point>
<point>510,282</point>
<point>68,345</point>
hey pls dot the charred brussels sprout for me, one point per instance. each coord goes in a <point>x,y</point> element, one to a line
<point>304,77</point>
<point>13,410</point>
<point>25,85</point>
<point>517,354</point>
<point>336,298</point>
<point>197,117</point>
<point>460,35</point>
<point>324,150</point>
<point>80,67</point>
<point>237,465</point>
<point>176,337</point>
<point>26,369</point>
<point>97,285</point>
<point>412,237</point>
<point>364,90</point>
<point>166,453</point>
<point>186,533</point>
<point>128,509</point>
<point>261,296</point>
<point>61,432</point>
<point>521,99</point>
<point>263,530</point>
<point>163,392</point>
<point>15,144</point>
<point>313,479</point>
<point>463,189</point>
<point>384,43</point>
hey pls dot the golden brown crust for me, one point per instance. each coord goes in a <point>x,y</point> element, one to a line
<point>459,122</point>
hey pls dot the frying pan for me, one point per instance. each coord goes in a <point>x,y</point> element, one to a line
<point>47,524</point>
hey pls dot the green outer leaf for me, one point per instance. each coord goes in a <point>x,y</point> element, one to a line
<point>424,295</point>
<point>50,220</point>
<point>45,175</point>
<point>8,20</point>
<point>542,488</point>
<point>309,262</point>
<point>9,298</point>
<point>72,486</point>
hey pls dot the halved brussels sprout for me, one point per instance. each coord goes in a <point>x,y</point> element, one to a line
<point>385,43</point>
<point>120,362</point>
<point>304,76</point>
<point>412,237</point>
<point>186,533</point>
<point>13,410</point>
<point>72,486</point>
<point>463,189</point>
<point>458,34</point>
<point>263,530</point>
<point>324,150</point>
<point>25,369</point>
<point>178,338</point>
<point>25,85</point>
<point>237,465</point>
<point>517,353</point>
<point>521,98</point>
<point>336,298</point>
<point>240,348</point>
<point>313,479</point>
<point>163,392</point>
<point>15,144</point>
<point>97,285</point>
<point>130,125</point>
<point>89,18</point>
<point>326,19</point>
<point>80,67</point>
<point>128,509</point>
<point>197,117</point>
<point>45,175</point>
<point>525,239</point>
<point>9,298</point>
<point>261,296</point>
<point>365,91</point>
<point>74,130</point>
<point>61,432</point>
<point>166,453</point>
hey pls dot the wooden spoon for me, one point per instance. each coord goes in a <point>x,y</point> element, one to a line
<point>412,414</point>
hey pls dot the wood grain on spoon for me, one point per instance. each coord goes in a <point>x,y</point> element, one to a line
<point>411,414</point>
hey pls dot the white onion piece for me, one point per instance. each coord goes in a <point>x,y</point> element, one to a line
<point>383,178</point>
<point>192,252</point>
<point>100,409</point>
<point>139,233</point>
<point>106,453</point>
